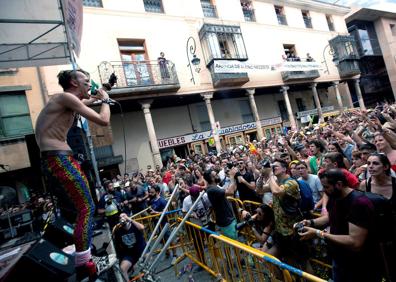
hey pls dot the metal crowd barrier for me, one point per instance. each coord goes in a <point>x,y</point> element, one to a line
<point>230,260</point>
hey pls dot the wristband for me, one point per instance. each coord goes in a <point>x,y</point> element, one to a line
<point>107,101</point>
<point>320,234</point>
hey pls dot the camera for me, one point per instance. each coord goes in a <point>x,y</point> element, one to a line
<point>123,222</point>
<point>109,200</point>
<point>299,227</point>
<point>249,221</point>
<point>230,165</point>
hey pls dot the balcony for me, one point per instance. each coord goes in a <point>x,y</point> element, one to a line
<point>307,22</point>
<point>281,19</point>
<point>248,14</point>
<point>226,79</point>
<point>140,77</point>
<point>345,56</point>
<point>300,75</point>
<point>209,10</point>
<point>348,68</point>
<point>93,3</point>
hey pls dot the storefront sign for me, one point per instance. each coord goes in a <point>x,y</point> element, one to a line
<point>315,111</point>
<point>180,140</point>
<point>234,66</point>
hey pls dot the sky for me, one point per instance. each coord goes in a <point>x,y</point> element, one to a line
<point>385,5</point>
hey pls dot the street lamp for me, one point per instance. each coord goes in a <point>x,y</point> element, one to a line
<point>190,49</point>
<point>331,53</point>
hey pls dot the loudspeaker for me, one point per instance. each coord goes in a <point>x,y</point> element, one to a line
<point>59,233</point>
<point>44,262</point>
<point>33,151</point>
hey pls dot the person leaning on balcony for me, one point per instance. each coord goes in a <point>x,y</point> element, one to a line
<point>163,66</point>
<point>54,121</point>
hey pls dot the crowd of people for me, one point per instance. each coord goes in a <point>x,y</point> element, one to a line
<point>340,160</point>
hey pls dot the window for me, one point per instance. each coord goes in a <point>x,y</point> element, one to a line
<point>222,42</point>
<point>208,9</point>
<point>280,14</point>
<point>330,23</point>
<point>153,6</point>
<point>15,118</point>
<point>300,104</point>
<point>203,117</point>
<point>248,11</point>
<point>307,19</point>
<point>246,111</point>
<point>93,3</point>
<point>393,29</point>
<point>365,42</point>
<point>283,110</point>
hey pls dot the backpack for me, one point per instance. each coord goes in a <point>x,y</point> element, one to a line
<point>304,205</point>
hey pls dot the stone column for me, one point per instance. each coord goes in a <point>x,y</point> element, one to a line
<point>317,101</point>
<point>250,94</point>
<point>207,97</point>
<point>359,94</point>
<point>151,132</point>
<point>293,123</point>
<point>338,95</point>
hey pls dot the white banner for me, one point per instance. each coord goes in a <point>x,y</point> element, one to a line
<point>188,138</point>
<point>234,66</point>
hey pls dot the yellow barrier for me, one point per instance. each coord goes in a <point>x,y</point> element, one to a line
<point>237,205</point>
<point>251,206</point>
<point>235,261</point>
<point>230,260</point>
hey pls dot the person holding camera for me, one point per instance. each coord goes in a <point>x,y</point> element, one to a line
<point>351,236</point>
<point>262,224</point>
<point>129,243</point>
<point>225,218</point>
<point>246,185</point>
<point>286,194</point>
<point>110,204</point>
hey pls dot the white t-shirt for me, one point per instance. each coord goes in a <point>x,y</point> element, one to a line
<point>201,209</point>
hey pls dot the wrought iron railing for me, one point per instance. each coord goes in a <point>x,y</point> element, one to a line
<point>139,73</point>
<point>281,19</point>
<point>248,14</point>
<point>153,6</point>
<point>209,10</point>
<point>93,3</point>
<point>307,22</point>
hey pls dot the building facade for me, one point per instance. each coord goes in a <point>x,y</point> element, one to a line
<point>374,32</point>
<point>219,78</point>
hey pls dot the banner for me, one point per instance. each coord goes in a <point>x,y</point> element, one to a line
<point>234,66</point>
<point>73,22</point>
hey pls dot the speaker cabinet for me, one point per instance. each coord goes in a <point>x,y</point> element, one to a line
<point>44,262</point>
<point>59,233</point>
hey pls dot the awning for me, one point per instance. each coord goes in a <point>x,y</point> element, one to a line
<point>33,33</point>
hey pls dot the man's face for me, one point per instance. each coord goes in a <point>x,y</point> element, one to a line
<point>110,187</point>
<point>327,164</point>
<point>278,169</point>
<point>152,193</point>
<point>83,84</point>
<point>241,165</point>
<point>302,170</point>
<point>364,154</point>
<point>333,191</point>
<point>313,148</point>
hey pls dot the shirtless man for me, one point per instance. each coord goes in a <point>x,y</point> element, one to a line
<point>52,126</point>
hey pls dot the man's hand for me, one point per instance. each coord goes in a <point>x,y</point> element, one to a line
<point>101,94</point>
<point>233,171</point>
<point>308,233</point>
